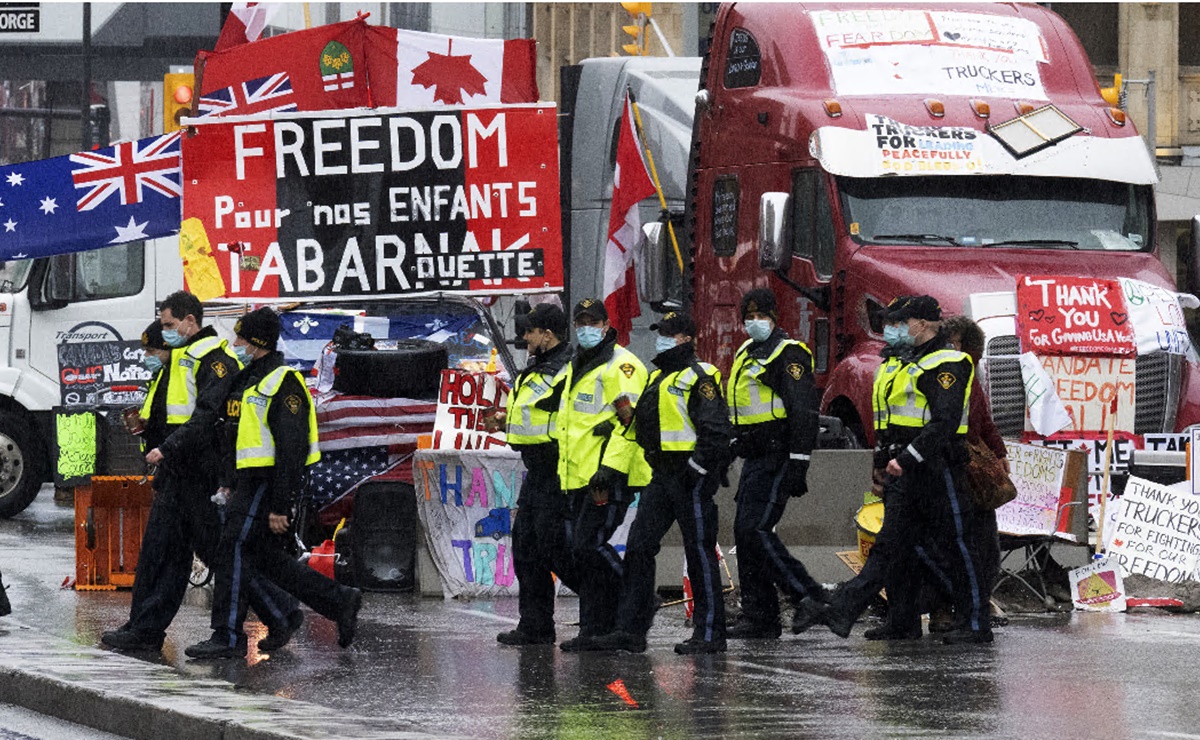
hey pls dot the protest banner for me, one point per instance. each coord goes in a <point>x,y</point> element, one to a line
<point>1086,386</point>
<point>365,203</point>
<point>1156,315</point>
<point>466,501</point>
<point>1157,531</point>
<point>102,373</point>
<point>1061,315</point>
<point>1045,480</point>
<point>1097,587</point>
<point>463,399</point>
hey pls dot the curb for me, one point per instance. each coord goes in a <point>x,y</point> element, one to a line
<point>133,698</point>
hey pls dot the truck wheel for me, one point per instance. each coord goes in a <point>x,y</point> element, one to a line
<point>412,370</point>
<point>19,478</point>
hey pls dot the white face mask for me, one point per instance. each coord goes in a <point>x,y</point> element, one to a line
<point>758,329</point>
<point>663,344</point>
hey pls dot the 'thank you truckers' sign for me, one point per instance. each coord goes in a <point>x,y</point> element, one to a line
<point>368,203</point>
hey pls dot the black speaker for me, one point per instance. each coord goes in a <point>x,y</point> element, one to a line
<point>384,543</point>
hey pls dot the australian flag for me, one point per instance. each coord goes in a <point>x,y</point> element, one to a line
<point>123,193</point>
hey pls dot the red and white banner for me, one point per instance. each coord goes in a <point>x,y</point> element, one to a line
<point>631,185</point>
<point>245,23</point>
<point>320,68</point>
<point>462,400</point>
<point>366,204</point>
<point>411,69</point>
<point>1060,315</point>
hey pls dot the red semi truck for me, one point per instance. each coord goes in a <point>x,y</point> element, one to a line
<point>841,155</point>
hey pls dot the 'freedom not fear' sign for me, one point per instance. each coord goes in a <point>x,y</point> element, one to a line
<point>372,203</point>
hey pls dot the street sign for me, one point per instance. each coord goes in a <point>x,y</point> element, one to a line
<point>20,18</point>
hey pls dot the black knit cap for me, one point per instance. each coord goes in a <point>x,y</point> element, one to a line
<point>914,307</point>
<point>675,322</point>
<point>592,307</point>
<point>759,299</point>
<point>260,328</point>
<point>545,316</point>
<point>152,337</point>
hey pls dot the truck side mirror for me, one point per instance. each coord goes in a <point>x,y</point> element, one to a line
<point>58,287</point>
<point>774,231</point>
<point>650,264</point>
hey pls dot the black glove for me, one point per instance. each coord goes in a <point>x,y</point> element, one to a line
<point>604,483</point>
<point>795,478</point>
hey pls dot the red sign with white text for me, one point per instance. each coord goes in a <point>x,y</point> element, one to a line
<point>1060,315</point>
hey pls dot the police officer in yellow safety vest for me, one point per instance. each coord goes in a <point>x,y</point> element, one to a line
<point>600,466</point>
<point>773,404</point>
<point>181,409</point>
<point>682,423</point>
<point>922,438</point>
<point>539,534</point>
<point>271,439</point>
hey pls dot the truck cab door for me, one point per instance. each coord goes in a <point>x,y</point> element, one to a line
<point>102,295</point>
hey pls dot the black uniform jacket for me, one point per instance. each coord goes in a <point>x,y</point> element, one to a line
<point>945,390</point>
<point>789,376</point>
<point>706,408</point>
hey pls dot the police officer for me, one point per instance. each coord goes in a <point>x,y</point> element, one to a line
<point>600,466</point>
<point>181,409</point>
<point>774,408</point>
<point>924,443</point>
<point>539,533</point>
<point>682,424</point>
<point>271,438</point>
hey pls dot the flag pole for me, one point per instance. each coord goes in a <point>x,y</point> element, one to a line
<point>662,200</point>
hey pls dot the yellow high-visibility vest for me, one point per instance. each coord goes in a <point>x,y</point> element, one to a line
<point>750,400</point>
<point>181,389</point>
<point>676,433</point>
<point>255,443</point>
<point>884,377</point>
<point>527,424</point>
<point>907,405</point>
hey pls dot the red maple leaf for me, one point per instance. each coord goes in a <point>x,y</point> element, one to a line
<point>450,75</point>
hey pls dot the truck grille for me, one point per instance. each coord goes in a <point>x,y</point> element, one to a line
<point>1156,392</point>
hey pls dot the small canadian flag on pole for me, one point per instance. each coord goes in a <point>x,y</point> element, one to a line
<point>631,185</point>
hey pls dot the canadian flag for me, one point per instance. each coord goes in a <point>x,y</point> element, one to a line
<point>416,69</point>
<point>245,23</point>
<point>631,185</point>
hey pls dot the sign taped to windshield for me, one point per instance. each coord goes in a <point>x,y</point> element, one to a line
<point>454,200</point>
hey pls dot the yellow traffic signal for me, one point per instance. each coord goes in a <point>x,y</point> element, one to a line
<point>641,14</point>
<point>1112,95</point>
<point>178,90</point>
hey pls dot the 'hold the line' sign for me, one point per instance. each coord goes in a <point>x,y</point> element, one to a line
<point>367,203</point>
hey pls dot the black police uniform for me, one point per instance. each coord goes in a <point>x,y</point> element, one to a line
<point>183,519</point>
<point>765,485</point>
<point>681,490</point>
<point>539,534</point>
<point>247,544</point>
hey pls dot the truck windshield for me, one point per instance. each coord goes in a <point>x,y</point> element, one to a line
<point>13,274</point>
<point>1000,211</point>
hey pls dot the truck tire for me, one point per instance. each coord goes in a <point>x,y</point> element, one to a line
<point>20,478</point>
<point>412,370</point>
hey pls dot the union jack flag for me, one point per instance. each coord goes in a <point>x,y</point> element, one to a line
<point>263,95</point>
<point>128,168</point>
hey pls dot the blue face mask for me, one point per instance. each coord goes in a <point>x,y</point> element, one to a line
<point>152,363</point>
<point>663,344</point>
<point>896,335</point>
<point>758,329</point>
<point>242,352</point>
<point>589,336</point>
<point>173,338</point>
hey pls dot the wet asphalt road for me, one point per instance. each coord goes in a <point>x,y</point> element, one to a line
<point>435,666</point>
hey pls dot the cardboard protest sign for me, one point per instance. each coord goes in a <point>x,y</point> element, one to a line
<point>366,203</point>
<point>462,400</point>
<point>1156,315</point>
<point>1097,587</point>
<point>1062,315</point>
<point>1157,531</point>
<point>466,500</point>
<point>1086,386</point>
<point>1045,480</point>
<point>77,446</point>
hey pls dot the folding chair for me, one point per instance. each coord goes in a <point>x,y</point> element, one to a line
<point>1035,551</point>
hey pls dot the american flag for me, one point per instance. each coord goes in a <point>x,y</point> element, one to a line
<point>128,168</point>
<point>362,436</point>
<point>263,95</point>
